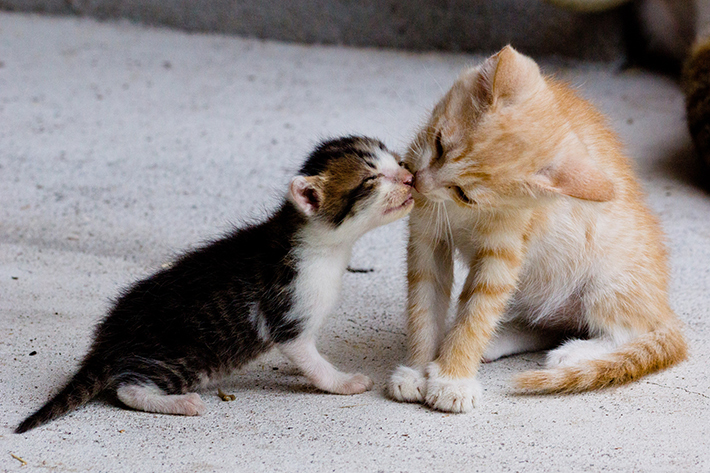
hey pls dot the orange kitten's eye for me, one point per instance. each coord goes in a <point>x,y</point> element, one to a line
<point>438,146</point>
<point>462,195</point>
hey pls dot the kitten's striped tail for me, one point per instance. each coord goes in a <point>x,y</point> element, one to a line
<point>649,352</point>
<point>85,385</point>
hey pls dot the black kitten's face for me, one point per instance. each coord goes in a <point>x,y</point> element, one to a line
<point>353,181</point>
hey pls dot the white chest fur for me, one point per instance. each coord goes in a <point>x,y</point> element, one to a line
<point>317,285</point>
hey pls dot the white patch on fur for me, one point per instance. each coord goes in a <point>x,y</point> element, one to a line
<point>203,380</point>
<point>408,384</point>
<point>317,285</point>
<point>257,320</point>
<point>386,163</point>
<point>150,398</point>
<point>304,354</point>
<point>511,341</point>
<point>451,395</point>
<point>576,351</point>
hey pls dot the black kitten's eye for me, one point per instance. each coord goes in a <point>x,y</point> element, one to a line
<point>462,195</point>
<point>438,146</point>
<point>370,178</point>
<point>407,166</point>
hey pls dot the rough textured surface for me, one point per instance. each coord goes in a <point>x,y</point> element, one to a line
<point>533,26</point>
<point>121,145</point>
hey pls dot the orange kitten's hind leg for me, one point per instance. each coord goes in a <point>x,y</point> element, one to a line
<point>150,398</point>
<point>575,351</point>
<point>512,340</point>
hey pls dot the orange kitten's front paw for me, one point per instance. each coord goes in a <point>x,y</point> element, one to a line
<point>407,384</point>
<point>450,395</point>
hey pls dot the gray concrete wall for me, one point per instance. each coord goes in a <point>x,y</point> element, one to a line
<point>458,25</point>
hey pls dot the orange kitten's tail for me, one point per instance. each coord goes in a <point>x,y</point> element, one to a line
<point>650,352</point>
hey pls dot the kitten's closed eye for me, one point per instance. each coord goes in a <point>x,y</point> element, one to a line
<point>438,147</point>
<point>462,195</point>
<point>407,166</point>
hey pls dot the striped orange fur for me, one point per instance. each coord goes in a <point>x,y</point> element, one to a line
<point>649,352</point>
<point>525,181</point>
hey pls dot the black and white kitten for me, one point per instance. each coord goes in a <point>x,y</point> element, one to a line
<point>268,284</point>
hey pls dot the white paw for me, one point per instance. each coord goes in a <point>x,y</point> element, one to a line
<point>450,395</point>
<point>191,404</point>
<point>354,384</point>
<point>575,351</point>
<point>407,384</point>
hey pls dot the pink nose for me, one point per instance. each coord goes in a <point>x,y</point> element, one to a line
<point>423,182</point>
<point>400,175</point>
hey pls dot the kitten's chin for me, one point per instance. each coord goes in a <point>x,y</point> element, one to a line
<point>405,206</point>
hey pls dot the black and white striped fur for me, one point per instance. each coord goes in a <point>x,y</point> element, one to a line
<point>264,285</point>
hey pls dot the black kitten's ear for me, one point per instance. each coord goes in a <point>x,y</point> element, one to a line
<point>306,193</point>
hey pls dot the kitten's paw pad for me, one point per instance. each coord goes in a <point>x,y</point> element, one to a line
<point>190,404</point>
<point>407,385</point>
<point>451,395</point>
<point>354,384</point>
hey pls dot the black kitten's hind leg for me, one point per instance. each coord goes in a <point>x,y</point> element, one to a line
<point>153,385</point>
<point>150,398</point>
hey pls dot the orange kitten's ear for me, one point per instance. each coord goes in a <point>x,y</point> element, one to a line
<point>306,193</point>
<point>575,174</point>
<point>508,75</point>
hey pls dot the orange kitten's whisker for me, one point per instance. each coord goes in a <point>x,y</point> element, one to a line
<point>450,238</point>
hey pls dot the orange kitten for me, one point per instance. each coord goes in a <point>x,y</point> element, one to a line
<point>526,181</point>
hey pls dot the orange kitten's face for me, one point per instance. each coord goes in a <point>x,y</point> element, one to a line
<point>496,138</point>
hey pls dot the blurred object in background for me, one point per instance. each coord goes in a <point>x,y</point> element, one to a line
<point>672,36</point>
<point>484,26</point>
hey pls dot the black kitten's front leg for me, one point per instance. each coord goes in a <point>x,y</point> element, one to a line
<point>303,353</point>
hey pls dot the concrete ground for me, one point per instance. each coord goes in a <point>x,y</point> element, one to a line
<point>121,145</point>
